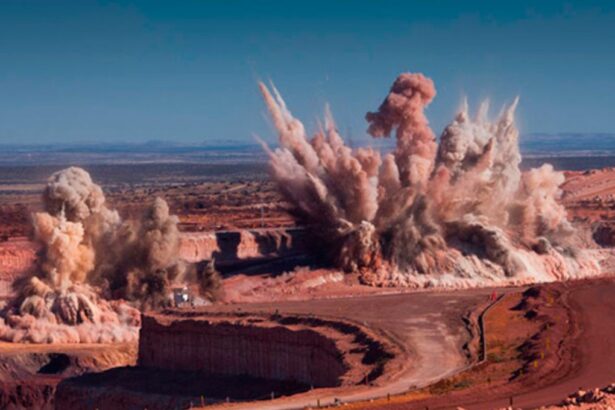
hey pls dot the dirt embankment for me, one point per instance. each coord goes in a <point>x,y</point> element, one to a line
<point>29,374</point>
<point>594,399</point>
<point>267,354</point>
<point>17,258</point>
<point>245,250</point>
<point>268,348</point>
<point>589,197</point>
<point>242,249</point>
<point>528,335</point>
<point>542,345</point>
<point>17,255</point>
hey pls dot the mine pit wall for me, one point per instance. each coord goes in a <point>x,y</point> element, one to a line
<point>223,348</point>
<point>17,258</point>
<point>18,255</point>
<point>232,246</point>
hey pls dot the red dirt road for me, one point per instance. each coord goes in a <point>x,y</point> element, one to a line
<point>592,343</point>
<point>594,308</point>
<point>427,326</point>
<point>593,350</point>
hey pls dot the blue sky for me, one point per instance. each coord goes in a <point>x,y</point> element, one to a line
<point>113,71</point>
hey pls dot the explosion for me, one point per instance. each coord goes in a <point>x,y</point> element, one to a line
<point>458,213</point>
<point>93,263</point>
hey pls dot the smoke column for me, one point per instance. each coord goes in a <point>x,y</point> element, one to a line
<point>93,263</point>
<point>458,213</point>
<point>140,261</point>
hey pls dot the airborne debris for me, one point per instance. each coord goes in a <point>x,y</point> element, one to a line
<point>458,213</point>
<point>93,263</point>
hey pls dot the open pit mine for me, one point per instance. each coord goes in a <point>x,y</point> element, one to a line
<point>435,275</point>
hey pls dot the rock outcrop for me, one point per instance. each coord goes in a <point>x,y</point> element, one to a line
<point>242,346</point>
<point>29,374</point>
<point>17,257</point>
<point>189,357</point>
<point>241,245</point>
<point>231,250</point>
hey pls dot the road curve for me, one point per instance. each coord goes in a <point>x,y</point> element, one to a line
<point>592,304</point>
<point>427,325</point>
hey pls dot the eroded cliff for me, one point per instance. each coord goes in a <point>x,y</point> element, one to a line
<point>188,357</point>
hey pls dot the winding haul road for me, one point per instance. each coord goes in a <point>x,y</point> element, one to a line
<point>593,352</point>
<point>429,328</point>
<point>593,304</point>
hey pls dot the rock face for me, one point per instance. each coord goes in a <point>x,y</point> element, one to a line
<point>189,357</point>
<point>138,388</point>
<point>29,374</point>
<point>241,245</point>
<point>231,250</point>
<point>604,233</point>
<point>596,399</point>
<point>230,348</point>
<point>17,257</point>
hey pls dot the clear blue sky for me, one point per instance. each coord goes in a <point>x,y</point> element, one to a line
<point>99,71</point>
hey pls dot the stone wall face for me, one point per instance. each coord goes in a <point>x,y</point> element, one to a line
<point>17,258</point>
<point>187,356</point>
<point>232,246</point>
<point>197,246</point>
<point>225,348</point>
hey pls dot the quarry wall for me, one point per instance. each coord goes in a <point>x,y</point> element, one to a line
<point>230,248</point>
<point>233,246</point>
<point>260,350</point>
<point>17,257</point>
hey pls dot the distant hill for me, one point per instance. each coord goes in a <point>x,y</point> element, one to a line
<point>165,147</point>
<point>568,144</point>
<point>123,153</point>
<point>537,145</point>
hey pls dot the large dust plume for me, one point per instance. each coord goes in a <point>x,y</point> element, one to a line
<point>93,263</point>
<point>455,213</point>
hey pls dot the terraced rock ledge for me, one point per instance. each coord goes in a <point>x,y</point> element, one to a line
<point>211,354</point>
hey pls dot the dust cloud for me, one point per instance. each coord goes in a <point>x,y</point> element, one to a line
<point>453,213</point>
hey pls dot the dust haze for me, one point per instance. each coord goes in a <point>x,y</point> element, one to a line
<point>96,269</point>
<point>456,213</point>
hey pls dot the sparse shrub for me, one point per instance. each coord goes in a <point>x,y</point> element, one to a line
<point>495,357</point>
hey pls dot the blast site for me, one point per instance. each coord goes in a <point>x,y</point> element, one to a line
<point>467,265</point>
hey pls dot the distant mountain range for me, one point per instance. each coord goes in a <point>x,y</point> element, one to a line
<point>162,147</point>
<point>532,146</point>
<point>579,144</point>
